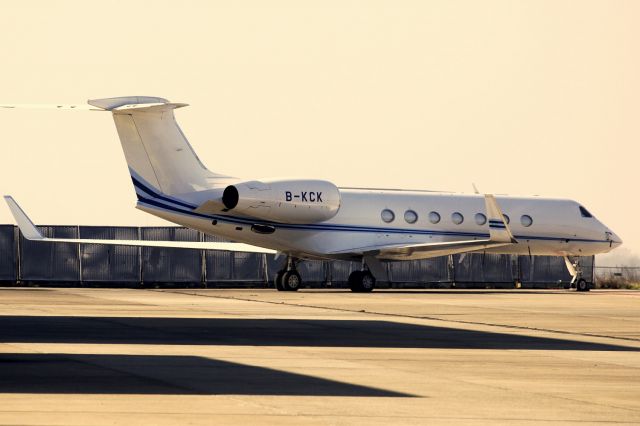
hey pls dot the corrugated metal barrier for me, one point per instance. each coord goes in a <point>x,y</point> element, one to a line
<point>23,261</point>
<point>103,263</point>
<point>8,253</point>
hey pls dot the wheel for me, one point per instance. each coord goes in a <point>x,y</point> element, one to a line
<point>582,285</point>
<point>291,281</point>
<point>367,282</point>
<point>277,281</point>
<point>355,281</point>
<point>362,281</point>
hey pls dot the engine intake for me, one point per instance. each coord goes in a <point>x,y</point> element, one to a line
<point>230,197</point>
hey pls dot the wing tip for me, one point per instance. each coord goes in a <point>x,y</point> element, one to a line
<point>26,226</point>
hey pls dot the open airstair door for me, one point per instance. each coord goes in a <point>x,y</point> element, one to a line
<point>499,235</point>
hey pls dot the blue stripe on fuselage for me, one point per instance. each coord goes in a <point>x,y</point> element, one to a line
<point>155,194</point>
<point>160,201</point>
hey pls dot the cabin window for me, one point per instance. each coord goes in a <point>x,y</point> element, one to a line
<point>506,219</point>
<point>434,217</point>
<point>480,219</point>
<point>410,216</point>
<point>387,215</point>
<point>526,220</point>
<point>457,218</point>
<point>584,212</point>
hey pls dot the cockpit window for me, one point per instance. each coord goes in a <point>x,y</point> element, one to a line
<point>584,212</point>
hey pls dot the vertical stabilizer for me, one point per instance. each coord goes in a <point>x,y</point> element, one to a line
<point>155,148</point>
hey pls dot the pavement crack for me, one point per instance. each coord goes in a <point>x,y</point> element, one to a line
<point>421,317</point>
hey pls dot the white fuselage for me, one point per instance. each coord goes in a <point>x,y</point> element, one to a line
<point>559,227</point>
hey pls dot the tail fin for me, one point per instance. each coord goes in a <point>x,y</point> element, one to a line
<point>156,150</point>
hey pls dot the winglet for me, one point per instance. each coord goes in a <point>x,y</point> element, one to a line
<point>27,227</point>
<point>499,230</point>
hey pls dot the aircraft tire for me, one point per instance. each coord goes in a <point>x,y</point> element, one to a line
<point>367,282</point>
<point>355,281</point>
<point>582,285</point>
<point>291,281</point>
<point>362,282</point>
<point>277,281</point>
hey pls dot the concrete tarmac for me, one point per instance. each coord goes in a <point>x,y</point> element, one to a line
<point>318,357</point>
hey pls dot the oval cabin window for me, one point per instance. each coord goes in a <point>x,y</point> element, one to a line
<point>481,219</point>
<point>457,218</point>
<point>387,215</point>
<point>410,216</point>
<point>434,217</point>
<point>526,220</point>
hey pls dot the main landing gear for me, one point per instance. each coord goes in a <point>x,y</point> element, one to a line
<point>362,281</point>
<point>288,279</point>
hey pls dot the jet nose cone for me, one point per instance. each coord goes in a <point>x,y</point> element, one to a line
<point>614,238</point>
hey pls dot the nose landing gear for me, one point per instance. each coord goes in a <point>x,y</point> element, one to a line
<point>576,273</point>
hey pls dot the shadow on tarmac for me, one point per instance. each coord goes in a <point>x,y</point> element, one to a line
<point>271,332</point>
<point>161,375</point>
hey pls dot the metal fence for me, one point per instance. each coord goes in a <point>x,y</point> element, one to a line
<point>23,261</point>
<point>618,273</point>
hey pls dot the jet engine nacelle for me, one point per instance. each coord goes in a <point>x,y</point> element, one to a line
<point>285,201</point>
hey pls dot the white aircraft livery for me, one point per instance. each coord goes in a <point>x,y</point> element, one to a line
<point>315,219</point>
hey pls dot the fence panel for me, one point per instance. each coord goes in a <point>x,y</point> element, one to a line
<point>587,266</point>
<point>484,268</point>
<point>424,271</point>
<point>53,262</point>
<point>219,266</point>
<point>339,270</point>
<point>108,263</point>
<point>313,271</point>
<point>227,266</point>
<point>543,270</point>
<point>248,267</point>
<point>273,266</point>
<point>171,265</point>
<point>629,274</point>
<point>8,253</point>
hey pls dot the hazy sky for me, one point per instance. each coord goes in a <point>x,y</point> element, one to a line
<point>538,97</point>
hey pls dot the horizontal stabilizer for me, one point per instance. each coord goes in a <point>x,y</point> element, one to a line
<point>30,232</point>
<point>108,104</point>
<point>112,103</point>
<point>80,107</point>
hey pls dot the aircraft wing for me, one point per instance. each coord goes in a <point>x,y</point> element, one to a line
<point>499,235</point>
<point>422,251</point>
<point>30,232</point>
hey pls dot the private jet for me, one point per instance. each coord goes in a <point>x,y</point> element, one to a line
<point>316,219</point>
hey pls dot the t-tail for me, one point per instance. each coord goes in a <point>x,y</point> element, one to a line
<point>160,159</point>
